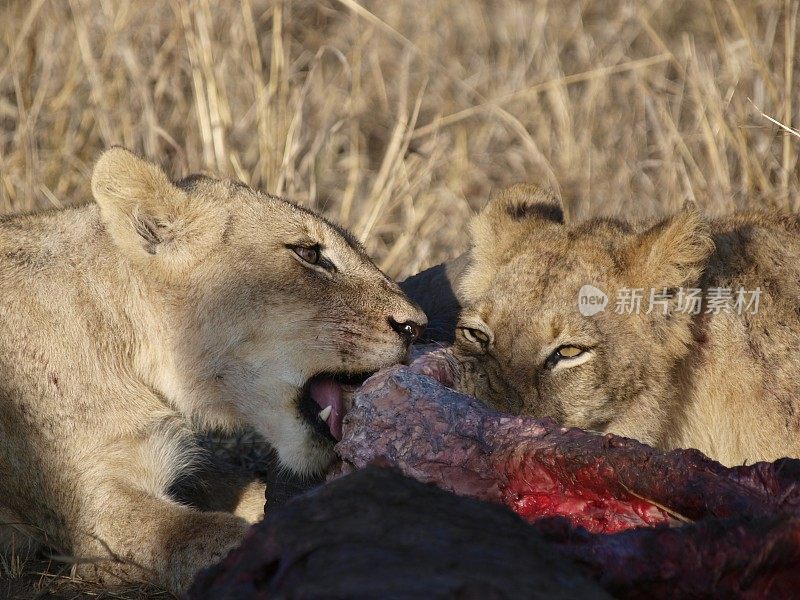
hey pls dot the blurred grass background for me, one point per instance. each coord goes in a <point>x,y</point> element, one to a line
<point>398,118</point>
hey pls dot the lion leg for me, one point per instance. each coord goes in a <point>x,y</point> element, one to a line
<point>137,536</point>
<point>251,502</point>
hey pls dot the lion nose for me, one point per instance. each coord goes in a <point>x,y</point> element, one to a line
<point>408,330</point>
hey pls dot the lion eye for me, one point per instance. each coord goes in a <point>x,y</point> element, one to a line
<point>569,352</point>
<point>568,356</point>
<point>311,254</point>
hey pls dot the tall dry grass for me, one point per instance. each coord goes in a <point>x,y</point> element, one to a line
<point>398,118</point>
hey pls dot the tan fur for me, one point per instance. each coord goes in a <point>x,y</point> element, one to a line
<point>126,323</point>
<point>725,383</point>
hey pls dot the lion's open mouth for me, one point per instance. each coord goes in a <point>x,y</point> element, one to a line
<point>325,400</point>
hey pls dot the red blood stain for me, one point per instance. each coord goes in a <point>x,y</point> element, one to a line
<point>534,492</point>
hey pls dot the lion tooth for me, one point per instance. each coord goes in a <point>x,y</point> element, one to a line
<point>325,413</point>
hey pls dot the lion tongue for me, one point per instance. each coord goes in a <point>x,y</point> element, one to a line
<point>327,393</point>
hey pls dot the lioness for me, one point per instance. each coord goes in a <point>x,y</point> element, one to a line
<point>719,377</point>
<point>162,306</point>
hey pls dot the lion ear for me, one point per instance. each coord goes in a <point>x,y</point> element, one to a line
<point>511,215</point>
<point>523,204</point>
<point>672,253</point>
<point>505,228</point>
<point>148,217</point>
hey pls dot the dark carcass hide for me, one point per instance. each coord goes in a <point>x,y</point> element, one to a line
<point>377,534</point>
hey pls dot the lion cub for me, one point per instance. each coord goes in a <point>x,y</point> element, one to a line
<point>165,305</point>
<point>683,333</point>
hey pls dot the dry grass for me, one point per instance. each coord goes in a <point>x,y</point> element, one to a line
<point>398,118</point>
<point>25,575</point>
